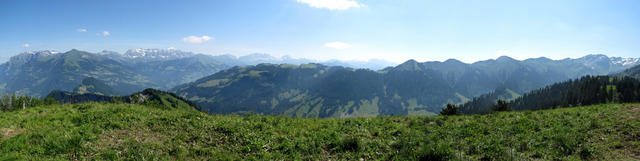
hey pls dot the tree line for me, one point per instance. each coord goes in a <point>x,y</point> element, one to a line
<point>587,90</point>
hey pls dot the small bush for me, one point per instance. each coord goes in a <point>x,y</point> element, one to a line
<point>502,105</point>
<point>450,109</point>
<point>432,152</point>
<point>351,144</point>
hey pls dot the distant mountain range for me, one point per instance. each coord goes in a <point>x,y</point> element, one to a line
<point>39,72</point>
<point>147,55</point>
<point>411,88</point>
<point>229,84</point>
<point>255,59</point>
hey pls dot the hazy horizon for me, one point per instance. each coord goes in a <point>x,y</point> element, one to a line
<point>345,30</point>
<point>6,59</point>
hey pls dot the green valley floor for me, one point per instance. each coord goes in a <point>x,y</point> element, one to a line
<point>101,131</point>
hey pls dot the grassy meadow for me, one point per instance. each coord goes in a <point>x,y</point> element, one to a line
<point>102,131</point>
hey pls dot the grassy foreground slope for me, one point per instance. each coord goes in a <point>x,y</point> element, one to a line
<point>125,131</point>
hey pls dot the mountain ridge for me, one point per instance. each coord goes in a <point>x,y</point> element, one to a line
<point>435,83</point>
<point>38,74</point>
<point>152,97</point>
<point>409,88</point>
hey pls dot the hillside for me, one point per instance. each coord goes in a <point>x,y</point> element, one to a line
<point>170,73</point>
<point>42,73</point>
<point>95,86</point>
<point>411,88</point>
<point>148,96</point>
<point>631,72</point>
<point>98,131</point>
<point>310,90</point>
<point>587,90</point>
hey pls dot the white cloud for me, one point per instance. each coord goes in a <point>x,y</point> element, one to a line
<point>81,30</point>
<point>196,39</point>
<point>331,4</point>
<point>337,45</point>
<point>106,33</point>
<point>172,48</point>
<point>26,45</point>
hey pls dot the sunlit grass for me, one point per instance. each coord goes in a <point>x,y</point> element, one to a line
<point>124,131</point>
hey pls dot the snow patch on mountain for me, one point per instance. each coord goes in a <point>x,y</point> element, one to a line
<point>29,56</point>
<point>157,53</point>
<point>625,61</point>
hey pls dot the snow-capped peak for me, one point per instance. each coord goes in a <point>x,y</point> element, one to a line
<point>170,53</point>
<point>28,56</point>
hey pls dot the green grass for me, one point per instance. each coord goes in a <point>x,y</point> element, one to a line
<point>99,131</point>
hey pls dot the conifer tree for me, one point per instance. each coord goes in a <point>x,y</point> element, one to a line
<point>450,109</point>
<point>501,105</point>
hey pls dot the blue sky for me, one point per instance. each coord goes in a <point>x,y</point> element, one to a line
<point>395,30</point>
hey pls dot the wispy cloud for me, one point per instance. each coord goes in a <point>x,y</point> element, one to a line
<point>81,30</point>
<point>106,33</point>
<point>27,45</point>
<point>331,4</point>
<point>337,45</point>
<point>196,39</point>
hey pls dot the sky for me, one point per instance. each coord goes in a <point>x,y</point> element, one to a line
<point>394,30</point>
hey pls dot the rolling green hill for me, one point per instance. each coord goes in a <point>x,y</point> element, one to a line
<point>151,97</point>
<point>102,131</point>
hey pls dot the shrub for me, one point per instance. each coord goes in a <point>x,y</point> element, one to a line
<point>351,144</point>
<point>439,152</point>
<point>501,105</point>
<point>450,109</point>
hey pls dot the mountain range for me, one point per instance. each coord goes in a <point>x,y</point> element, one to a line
<point>229,84</point>
<point>37,73</point>
<point>411,88</point>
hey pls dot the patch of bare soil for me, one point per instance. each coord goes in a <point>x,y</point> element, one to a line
<point>116,138</point>
<point>632,112</point>
<point>9,132</point>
